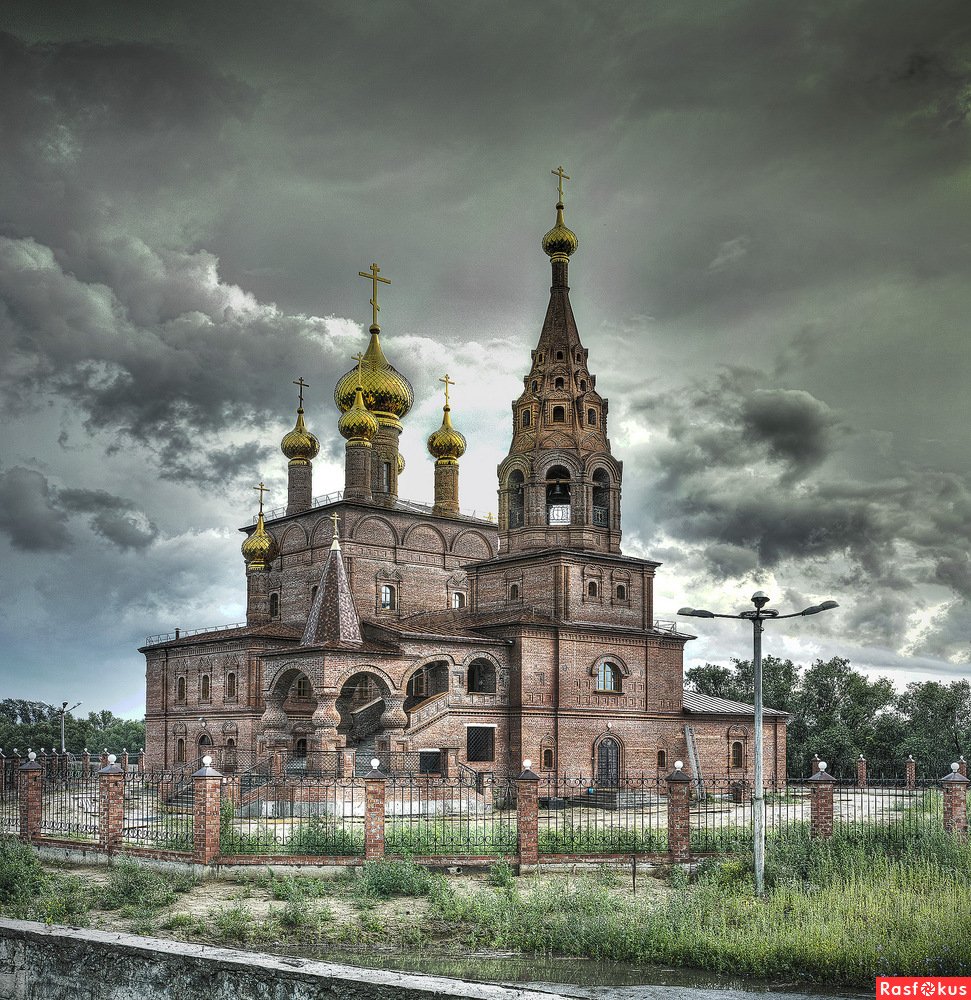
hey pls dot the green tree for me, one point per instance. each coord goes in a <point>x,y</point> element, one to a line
<point>37,725</point>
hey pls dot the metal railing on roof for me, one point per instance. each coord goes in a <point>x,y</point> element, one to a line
<point>400,504</point>
<point>182,633</point>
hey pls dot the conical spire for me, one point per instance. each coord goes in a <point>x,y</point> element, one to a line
<point>333,617</point>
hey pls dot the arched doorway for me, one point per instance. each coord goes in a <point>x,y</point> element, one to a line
<point>205,745</point>
<point>360,704</point>
<point>608,762</point>
<point>429,680</point>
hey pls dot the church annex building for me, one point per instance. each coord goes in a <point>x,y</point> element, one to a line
<point>414,632</point>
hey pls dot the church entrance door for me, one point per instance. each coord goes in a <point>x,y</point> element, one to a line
<point>608,763</point>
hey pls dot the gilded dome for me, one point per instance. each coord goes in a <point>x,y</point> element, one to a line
<point>401,463</point>
<point>357,424</point>
<point>299,445</point>
<point>446,444</point>
<point>387,393</point>
<point>260,548</point>
<point>560,241</point>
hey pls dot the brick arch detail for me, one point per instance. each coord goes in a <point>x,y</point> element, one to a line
<point>289,672</point>
<point>595,666</point>
<point>294,539</point>
<point>417,529</point>
<point>564,458</point>
<point>359,530</point>
<point>345,675</point>
<point>470,533</point>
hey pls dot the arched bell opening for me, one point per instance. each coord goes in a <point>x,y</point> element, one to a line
<point>558,510</point>
<point>601,499</point>
<point>428,681</point>
<point>516,484</point>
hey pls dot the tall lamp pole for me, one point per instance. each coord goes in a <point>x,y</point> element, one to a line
<point>757,617</point>
<point>64,711</point>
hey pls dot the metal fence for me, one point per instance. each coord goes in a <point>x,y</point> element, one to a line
<point>578,816</point>
<point>69,805</point>
<point>9,797</point>
<point>158,810</point>
<point>466,814</point>
<point>311,814</point>
<point>898,810</point>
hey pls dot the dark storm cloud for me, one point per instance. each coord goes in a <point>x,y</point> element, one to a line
<point>113,517</point>
<point>795,427</point>
<point>30,519</point>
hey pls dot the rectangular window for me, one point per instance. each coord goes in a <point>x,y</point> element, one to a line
<point>480,744</point>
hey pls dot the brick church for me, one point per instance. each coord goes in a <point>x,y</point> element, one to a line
<point>384,626</point>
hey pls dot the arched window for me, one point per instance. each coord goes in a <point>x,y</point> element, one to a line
<point>303,687</point>
<point>559,415</point>
<point>737,760</point>
<point>592,588</point>
<point>535,386</point>
<point>514,592</point>
<point>601,499</point>
<point>662,760</point>
<point>205,688</point>
<point>300,747</point>
<point>180,751</point>
<point>516,499</point>
<point>558,495</point>
<point>274,605</point>
<point>547,759</point>
<point>481,677</point>
<point>591,416</point>
<point>621,592</point>
<point>458,599</point>
<point>559,355</point>
<point>180,689</point>
<point>230,685</point>
<point>527,418</point>
<point>583,385</point>
<point>559,384</point>
<point>608,678</point>
<point>387,598</point>
<point>205,742</point>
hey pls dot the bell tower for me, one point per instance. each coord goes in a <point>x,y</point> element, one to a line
<point>559,486</point>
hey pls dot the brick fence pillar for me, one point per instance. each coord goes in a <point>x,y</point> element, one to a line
<point>123,760</point>
<point>910,772</point>
<point>527,817</point>
<point>821,804</point>
<point>348,762</point>
<point>86,762</point>
<point>955,787</point>
<point>31,777</point>
<point>111,805</point>
<point>374,803</point>
<point>206,793</point>
<point>450,762</point>
<point>861,772</point>
<point>962,766</point>
<point>679,815</point>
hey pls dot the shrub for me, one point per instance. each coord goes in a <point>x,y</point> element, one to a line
<point>388,877</point>
<point>21,876</point>
<point>501,874</point>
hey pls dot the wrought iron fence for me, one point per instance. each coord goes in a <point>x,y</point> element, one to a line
<point>899,810</point>
<point>311,814</point>
<point>577,816</point>
<point>9,796</point>
<point>158,810</point>
<point>70,806</point>
<point>465,814</point>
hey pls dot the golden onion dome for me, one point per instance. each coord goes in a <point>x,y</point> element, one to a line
<point>387,393</point>
<point>560,241</point>
<point>299,445</point>
<point>446,444</point>
<point>401,463</point>
<point>357,424</point>
<point>260,548</point>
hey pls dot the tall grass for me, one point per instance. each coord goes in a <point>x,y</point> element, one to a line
<point>841,911</point>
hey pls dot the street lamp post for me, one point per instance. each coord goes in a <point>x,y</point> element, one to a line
<point>64,711</point>
<point>757,617</point>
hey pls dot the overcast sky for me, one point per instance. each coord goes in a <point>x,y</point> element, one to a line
<point>773,202</point>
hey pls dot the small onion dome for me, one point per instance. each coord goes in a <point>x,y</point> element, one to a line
<point>260,548</point>
<point>446,444</point>
<point>357,424</point>
<point>401,463</point>
<point>560,241</point>
<point>300,446</point>
<point>387,392</point>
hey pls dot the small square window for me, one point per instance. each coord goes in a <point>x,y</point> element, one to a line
<point>480,744</point>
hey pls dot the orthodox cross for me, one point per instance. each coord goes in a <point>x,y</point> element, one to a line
<point>263,489</point>
<point>359,358</point>
<point>561,178</point>
<point>447,382</point>
<point>375,308</point>
<point>335,517</point>
<point>303,385</point>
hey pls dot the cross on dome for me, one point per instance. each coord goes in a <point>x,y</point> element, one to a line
<point>373,275</point>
